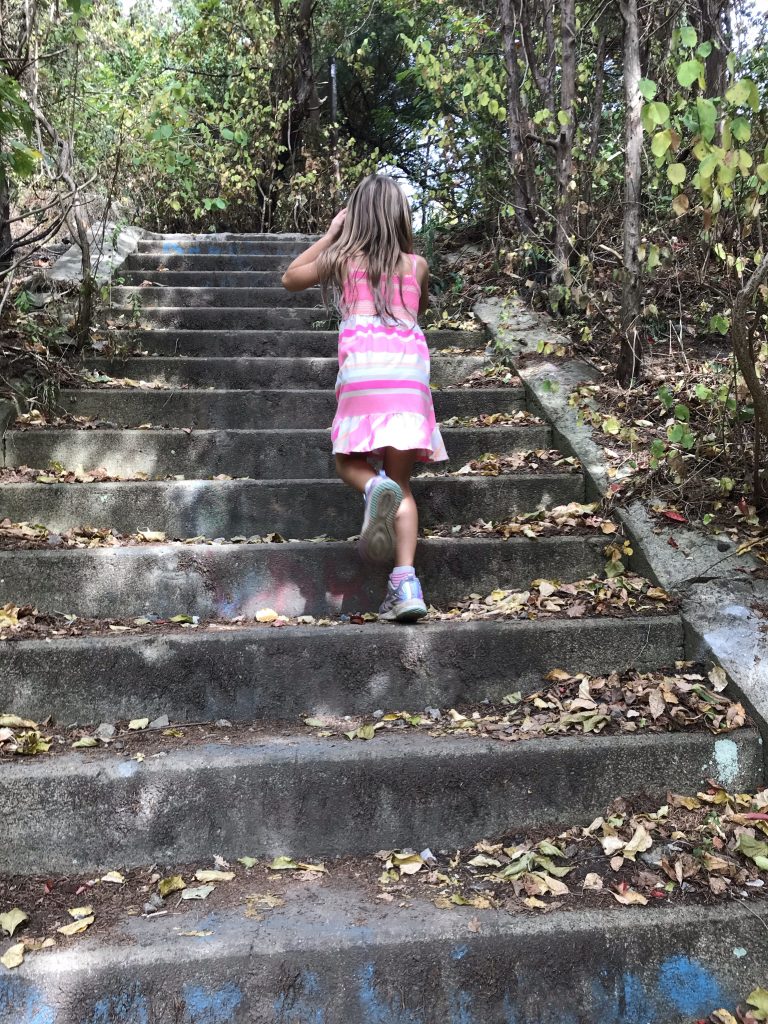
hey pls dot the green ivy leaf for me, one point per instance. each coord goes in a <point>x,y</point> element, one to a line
<point>689,72</point>
<point>707,114</point>
<point>688,36</point>
<point>648,89</point>
<point>741,128</point>
<point>743,93</point>
<point>676,173</point>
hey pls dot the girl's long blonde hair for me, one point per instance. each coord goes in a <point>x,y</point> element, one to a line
<point>377,229</point>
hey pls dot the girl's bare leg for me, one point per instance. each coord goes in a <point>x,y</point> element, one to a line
<point>354,470</point>
<point>399,466</point>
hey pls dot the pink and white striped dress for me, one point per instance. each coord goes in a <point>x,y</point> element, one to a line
<point>382,388</point>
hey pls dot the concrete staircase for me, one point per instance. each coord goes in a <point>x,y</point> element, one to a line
<point>247,378</point>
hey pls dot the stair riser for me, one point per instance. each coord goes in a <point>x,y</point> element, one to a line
<point>222,247</point>
<point>239,297</point>
<point>669,965</point>
<point>251,674</point>
<point>244,373</point>
<point>140,262</point>
<point>234,410</point>
<point>293,579</point>
<point>217,319</point>
<point>261,455</point>
<point>292,509</point>
<point>265,343</point>
<point>202,279</point>
<point>312,798</point>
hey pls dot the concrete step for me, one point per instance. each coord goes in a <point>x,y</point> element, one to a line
<point>264,408</point>
<point>237,297</point>
<point>267,372</point>
<point>259,454</point>
<point>265,343</point>
<point>143,261</point>
<point>297,795</point>
<point>292,508</point>
<point>235,245</point>
<point>257,673</point>
<point>288,318</point>
<point>299,578</point>
<point>202,279</point>
<point>333,955</point>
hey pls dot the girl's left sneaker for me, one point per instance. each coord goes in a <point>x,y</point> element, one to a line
<point>404,602</point>
<point>377,537</point>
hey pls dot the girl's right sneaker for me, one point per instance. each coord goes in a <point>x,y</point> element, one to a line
<point>377,536</point>
<point>404,602</point>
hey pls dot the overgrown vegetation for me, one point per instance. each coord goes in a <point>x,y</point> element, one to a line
<point>610,159</point>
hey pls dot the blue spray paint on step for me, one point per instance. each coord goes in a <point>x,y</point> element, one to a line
<point>126,1007</point>
<point>23,1002</point>
<point>211,1006</point>
<point>300,1005</point>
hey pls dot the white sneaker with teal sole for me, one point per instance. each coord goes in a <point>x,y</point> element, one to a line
<point>377,537</point>
<point>403,603</point>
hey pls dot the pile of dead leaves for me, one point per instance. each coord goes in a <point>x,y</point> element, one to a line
<point>27,536</point>
<point>561,519</point>
<point>494,376</point>
<point>701,847</point>
<point>543,460</point>
<point>628,702</point>
<point>103,380</point>
<point>626,594</point>
<point>493,419</point>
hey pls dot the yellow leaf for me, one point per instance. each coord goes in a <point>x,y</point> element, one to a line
<point>114,877</point>
<point>138,723</point>
<point>266,615</point>
<point>77,926</point>
<point>77,913</point>
<point>639,843</point>
<point>10,922</point>
<point>13,956</point>
<point>14,722</point>
<point>629,898</point>
<point>690,803</point>
<point>214,876</point>
<point>168,885</point>
<point>531,901</point>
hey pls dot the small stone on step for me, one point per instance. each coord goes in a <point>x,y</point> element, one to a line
<point>105,732</point>
<point>160,723</point>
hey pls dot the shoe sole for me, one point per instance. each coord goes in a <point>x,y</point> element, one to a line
<point>406,611</point>
<point>377,538</point>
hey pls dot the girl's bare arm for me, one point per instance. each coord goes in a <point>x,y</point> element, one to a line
<point>422,276</point>
<point>304,272</point>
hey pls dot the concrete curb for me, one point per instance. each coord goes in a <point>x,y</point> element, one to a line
<point>266,408</point>
<point>331,956</point>
<point>258,673</point>
<point>293,508</point>
<point>275,372</point>
<point>258,454</point>
<point>301,578</point>
<point>305,797</point>
<point>255,343</point>
<point>7,414</point>
<point>110,249</point>
<point>696,567</point>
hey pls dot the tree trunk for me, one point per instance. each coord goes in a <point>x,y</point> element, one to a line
<point>6,238</point>
<point>630,354</point>
<point>742,349</point>
<point>516,124</point>
<point>713,27</point>
<point>307,100</point>
<point>594,131</point>
<point>564,152</point>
